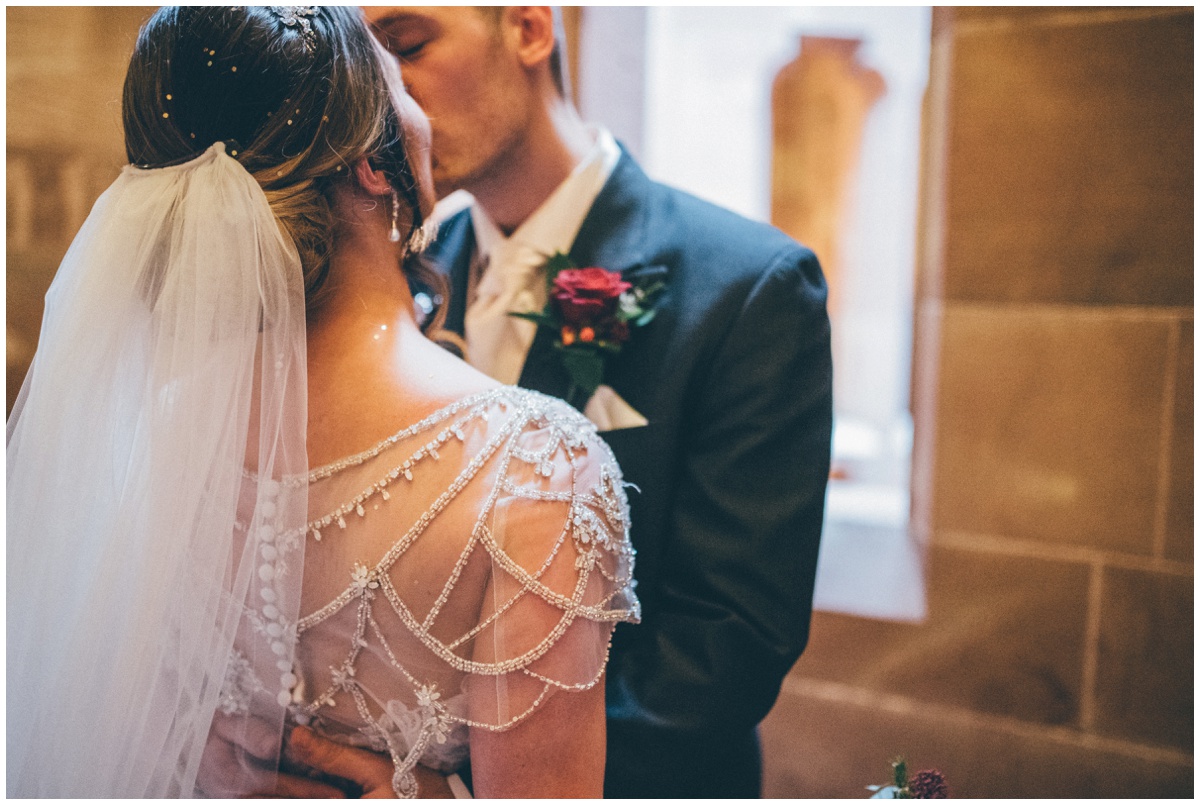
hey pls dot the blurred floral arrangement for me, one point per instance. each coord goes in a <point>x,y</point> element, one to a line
<point>927,784</point>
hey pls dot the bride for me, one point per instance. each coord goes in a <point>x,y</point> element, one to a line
<point>247,495</point>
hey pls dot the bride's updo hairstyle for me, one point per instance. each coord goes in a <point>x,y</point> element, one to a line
<point>297,93</point>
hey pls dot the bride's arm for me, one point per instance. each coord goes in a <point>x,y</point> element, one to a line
<point>561,577</point>
<point>558,751</point>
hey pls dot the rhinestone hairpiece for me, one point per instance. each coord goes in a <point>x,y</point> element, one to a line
<point>293,16</point>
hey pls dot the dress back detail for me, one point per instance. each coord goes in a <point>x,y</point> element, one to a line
<point>456,575</point>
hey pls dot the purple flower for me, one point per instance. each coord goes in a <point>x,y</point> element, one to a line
<point>928,784</point>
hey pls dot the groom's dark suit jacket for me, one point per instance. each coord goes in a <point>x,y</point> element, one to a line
<point>734,376</point>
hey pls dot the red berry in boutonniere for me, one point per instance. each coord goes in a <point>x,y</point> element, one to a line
<point>593,311</point>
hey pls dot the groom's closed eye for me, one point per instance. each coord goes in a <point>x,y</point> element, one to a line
<point>407,45</point>
<point>410,52</point>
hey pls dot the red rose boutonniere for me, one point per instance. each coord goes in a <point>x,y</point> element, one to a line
<point>593,312</point>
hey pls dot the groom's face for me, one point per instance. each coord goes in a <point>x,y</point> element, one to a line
<point>458,66</point>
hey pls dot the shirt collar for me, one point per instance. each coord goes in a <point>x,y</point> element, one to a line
<point>552,227</point>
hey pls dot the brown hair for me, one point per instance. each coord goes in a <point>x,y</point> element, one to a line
<point>299,103</point>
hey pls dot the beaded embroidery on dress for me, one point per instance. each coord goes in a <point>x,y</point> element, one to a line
<point>457,575</point>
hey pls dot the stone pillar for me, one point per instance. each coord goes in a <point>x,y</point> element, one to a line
<point>1053,466</point>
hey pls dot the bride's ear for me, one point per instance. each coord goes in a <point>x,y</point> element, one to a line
<point>369,179</point>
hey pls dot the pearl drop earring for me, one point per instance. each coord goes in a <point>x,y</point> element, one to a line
<point>394,235</point>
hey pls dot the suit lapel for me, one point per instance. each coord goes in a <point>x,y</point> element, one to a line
<point>543,371</point>
<point>613,234</point>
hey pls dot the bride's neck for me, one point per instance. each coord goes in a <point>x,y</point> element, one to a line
<point>362,343</point>
<point>370,369</point>
<point>366,302</point>
<point>367,310</point>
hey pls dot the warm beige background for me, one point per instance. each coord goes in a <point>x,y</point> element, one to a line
<point>1052,473</point>
<point>820,103</point>
<point>1053,400</point>
<point>64,71</point>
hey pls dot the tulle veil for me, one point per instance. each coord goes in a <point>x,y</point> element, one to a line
<point>157,497</point>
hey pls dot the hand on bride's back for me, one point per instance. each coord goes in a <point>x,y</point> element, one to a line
<point>370,771</point>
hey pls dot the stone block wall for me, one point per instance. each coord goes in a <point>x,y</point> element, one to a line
<point>1053,466</point>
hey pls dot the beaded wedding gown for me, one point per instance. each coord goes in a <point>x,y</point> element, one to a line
<point>456,575</point>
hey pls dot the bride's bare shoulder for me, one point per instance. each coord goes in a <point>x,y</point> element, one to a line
<point>360,399</point>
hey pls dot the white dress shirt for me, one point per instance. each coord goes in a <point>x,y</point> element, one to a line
<point>507,274</point>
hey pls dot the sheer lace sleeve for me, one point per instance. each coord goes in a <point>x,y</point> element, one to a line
<point>561,576</point>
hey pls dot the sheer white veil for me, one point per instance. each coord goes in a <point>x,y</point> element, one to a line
<point>157,495</point>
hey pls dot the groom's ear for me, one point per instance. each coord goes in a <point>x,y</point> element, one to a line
<point>369,179</point>
<point>533,28</point>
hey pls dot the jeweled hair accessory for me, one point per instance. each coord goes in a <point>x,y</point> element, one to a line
<point>293,16</point>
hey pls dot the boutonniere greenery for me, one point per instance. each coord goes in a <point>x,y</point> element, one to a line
<point>593,313</point>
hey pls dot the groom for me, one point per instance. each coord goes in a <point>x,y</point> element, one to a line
<point>718,410</point>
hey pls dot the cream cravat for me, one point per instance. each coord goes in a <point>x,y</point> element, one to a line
<point>497,343</point>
